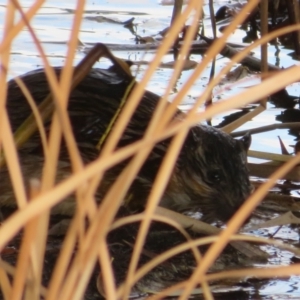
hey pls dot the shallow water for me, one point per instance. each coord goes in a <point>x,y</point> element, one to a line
<point>52,25</point>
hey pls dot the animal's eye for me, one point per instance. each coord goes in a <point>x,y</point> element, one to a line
<point>214,176</point>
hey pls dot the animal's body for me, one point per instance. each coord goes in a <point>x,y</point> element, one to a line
<point>210,174</point>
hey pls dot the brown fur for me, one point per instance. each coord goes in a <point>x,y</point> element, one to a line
<point>210,174</point>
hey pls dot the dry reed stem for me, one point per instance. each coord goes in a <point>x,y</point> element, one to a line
<point>5,285</point>
<point>264,171</point>
<point>173,290</point>
<point>8,131</point>
<point>273,272</point>
<point>69,185</point>
<point>75,158</point>
<point>128,178</point>
<point>6,139</point>
<point>37,233</point>
<point>16,29</point>
<point>55,132</point>
<point>31,239</point>
<point>105,266</point>
<point>154,186</point>
<point>160,218</point>
<point>183,53</point>
<point>238,57</point>
<point>234,224</point>
<point>10,270</point>
<point>260,129</point>
<point>53,82</point>
<point>51,198</point>
<point>159,259</point>
<point>63,261</point>
<point>53,85</point>
<point>61,121</point>
<point>211,53</point>
<point>269,156</point>
<point>25,261</point>
<point>141,159</point>
<point>103,158</point>
<point>11,155</point>
<point>281,272</point>
<point>43,222</point>
<point>15,222</point>
<point>270,85</point>
<point>156,192</point>
<point>208,240</point>
<point>36,114</point>
<point>140,87</point>
<point>243,119</point>
<point>169,160</point>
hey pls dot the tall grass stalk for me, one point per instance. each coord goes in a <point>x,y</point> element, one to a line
<point>72,274</point>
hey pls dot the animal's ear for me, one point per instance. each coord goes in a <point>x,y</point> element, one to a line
<point>246,141</point>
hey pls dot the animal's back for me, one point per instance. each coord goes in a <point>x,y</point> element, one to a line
<point>209,172</point>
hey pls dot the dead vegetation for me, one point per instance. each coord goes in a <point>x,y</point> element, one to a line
<point>85,243</point>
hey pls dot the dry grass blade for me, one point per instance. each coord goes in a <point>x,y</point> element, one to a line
<point>269,156</point>
<point>238,57</point>
<point>169,161</point>
<point>264,171</point>
<point>285,219</point>
<point>46,108</point>
<point>201,227</point>
<point>211,53</point>
<point>242,120</point>
<point>29,258</point>
<point>283,271</point>
<point>70,184</point>
<point>203,241</point>
<point>294,125</point>
<point>36,114</point>
<point>5,284</point>
<point>235,223</point>
<point>85,242</point>
<point>16,222</point>
<point>12,160</point>
<point>125,180</point>
<point>16,29</point>
<point>161,217</point>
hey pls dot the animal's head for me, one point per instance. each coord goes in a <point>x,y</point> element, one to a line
<point>212,174</point>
